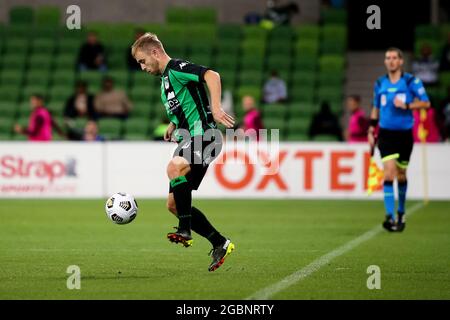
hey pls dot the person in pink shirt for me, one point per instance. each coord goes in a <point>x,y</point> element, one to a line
<point>40,123</point>
<point>358,122</point>
<point>252,117</point>
<point>430,126</point>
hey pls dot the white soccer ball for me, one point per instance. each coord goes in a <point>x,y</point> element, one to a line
<point>121,208</point>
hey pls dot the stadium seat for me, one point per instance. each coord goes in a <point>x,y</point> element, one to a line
<point>63,77</point>
<point>253,47</point>
<point>330,78</point>
<point>228,78</point>
<point>40,62</point>
<point>142,94</point>
<point>48,16</point>
<point>7,110</point>
<point>306,48</point>
<point>229,31</point>
<point>11,78</point>
<point>280,47</point>
<point>282,33</point>
<point>37,76</point>
<point>297,137</point>
<point>9,93</point>
<point>200,58</point>
<point>275,111</point>
<point>273,123</point>
<point>253,91</point>
<point>301,78</point>
<point>56,107</point>
<point>203,15</point>
<point>177,15</point>
<point>251,78</point>
<point>226,62</point>
<point>305,64</point>
<point>331,63</point>
<point>34,88</point>
<point>334,16</point>
<point>141,110</point>
<point>16,45</point>
<point>65,62</point>
<point>43,46</point>
<point>254,32</point>
<point>436,47</point>
<point>228,46</point>
<point>93,78</point>
<point>427,32</point>
<point>136,126</point>
<point>60,92</point>
<point>298,125</point>
<point>333,46</point>
<point>110,128</point>
<point>69,46</point>
<point>279,62</point>
<point>249,62</point>
<point>21,15</point>
<point>307,32</point>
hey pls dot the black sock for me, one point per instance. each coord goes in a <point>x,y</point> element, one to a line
<point>182,194</point>
<point>203,227</point>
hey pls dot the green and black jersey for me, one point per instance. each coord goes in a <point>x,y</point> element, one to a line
<point>184,95</point>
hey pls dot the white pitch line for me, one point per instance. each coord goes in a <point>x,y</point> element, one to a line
<point>268,292</point>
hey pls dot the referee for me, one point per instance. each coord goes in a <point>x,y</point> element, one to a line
<point>395,95</point>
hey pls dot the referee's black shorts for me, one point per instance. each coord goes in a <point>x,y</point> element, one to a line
<point>199,152</point>
<point>396,144</point>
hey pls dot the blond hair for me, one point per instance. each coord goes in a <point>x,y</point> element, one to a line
<point>146,42</point>
<point>394,49</point>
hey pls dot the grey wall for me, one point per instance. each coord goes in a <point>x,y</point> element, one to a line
<point>154,10</point>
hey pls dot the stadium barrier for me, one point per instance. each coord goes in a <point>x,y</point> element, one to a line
<point>305,170</point>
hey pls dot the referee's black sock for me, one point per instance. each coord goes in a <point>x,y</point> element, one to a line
<point>203,227</point>
<point>182,194</point>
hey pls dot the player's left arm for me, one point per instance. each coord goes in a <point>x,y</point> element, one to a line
<point>212,80</point>
<point>421,100</point>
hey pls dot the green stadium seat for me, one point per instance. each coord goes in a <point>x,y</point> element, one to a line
<point>142,94</point>
<point>334,16</point>
<point>203,15</point>
<point>117,61</point>
<point>249,62</point>
<point>303,94</point>
<point>325,138</point>
<point>331,63</point>
<point>11,78</point>
<point>56,107</point>
<point>200,58</point>
<point>63,77</point>
<point>228,78</point>
<point>305,64</point>
<point>333,46</point>
<point>17,45</point>
<point>110,128</point>
<point>253,47</point>
<point>297,137</point>
<point>43,45</point>
<point>60,92</point>
<point>282,32</point>
<point>201,48</point>
<point>275,111</point>
<point>21,15</point>
<point>37,76</point>
<point>279,62</point>
<point>34,88</point>
<point>427,32</point>
<point>65,62</point>
<point>91,77</point>
<point>120,77</point>
<point>333,31</point>
<point>45,32</point>
<point>229,31</point>
<point>40,62</point>
<point>226,62</point>
<point>69,46</point>
<point>254,32</point>
<point>303,110</point>
<point>273,123</point>
<point>301,77</point>
<point>202,34</point>
<point>298,125</point>
<point>141,110</point>
<point>330,78</point>
<point>136,137</point>
<point>9,93</point>
<point>19,137</point>
<point>280,47</point>
<point>331,94</point>
<point>306,48</point>
<point>7,110</point>
<point>251,78</point>
<point>228,47</point>
<point>136,126</point>
<point>177,15</point>
<point>142,79</point>
<point>310,32</point>
<point>73,34</point>
<point>48,16</point>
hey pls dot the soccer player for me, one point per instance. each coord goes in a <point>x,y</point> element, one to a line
<point>190,113</point>
<point>396,94</point>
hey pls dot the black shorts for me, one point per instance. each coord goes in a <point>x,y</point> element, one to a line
<point>199,152</point>
<point>396,144</point>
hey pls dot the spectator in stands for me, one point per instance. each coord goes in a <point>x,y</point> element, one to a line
<point>89,133</point>
<point>426,67</point>
<point>358,122</point>
<point>131,61</point>
<point>111,102</point>
<point>444,64</point>
<point>80,104</point>
<point>252,118</point>
<point>92,54</point>
<point>429,124</point>
<point>280,14</point>
<point>40,123</point>
<point>325,122</point>
<point>275,89</point>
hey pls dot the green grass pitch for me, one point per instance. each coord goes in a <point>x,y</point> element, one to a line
<point>39,239</point>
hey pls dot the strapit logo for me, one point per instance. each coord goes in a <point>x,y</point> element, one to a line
<point>12,167</point>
